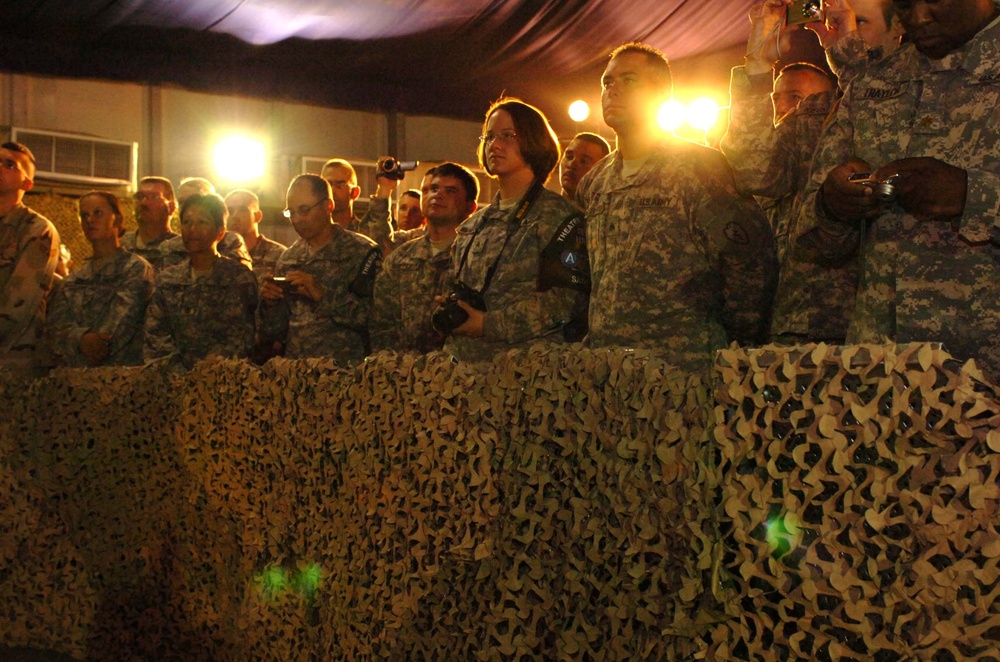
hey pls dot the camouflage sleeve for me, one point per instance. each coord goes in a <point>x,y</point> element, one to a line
<point>250,299</point>
<point>980,220</point>
<point>237,249</point>
<point>847,56</point>
<point>127,311</point>
<point>761,166</point>
<point>740,244</point>
<point>354,308</point>
<point>159,338</point>
<point>29,282</point>
<point>387,314</point>
<point>400,237</point>
<point>530,313</point>
<point>62,331</point>
<point>377,222</point>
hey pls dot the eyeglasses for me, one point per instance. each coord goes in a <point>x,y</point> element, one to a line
<point>152,197</point>
<point>302,210</point>
<point>504,137</point>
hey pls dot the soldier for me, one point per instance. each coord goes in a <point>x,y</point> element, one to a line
<point>343,182</point>
<point>680,260</point>
<point>924,120</point>
<point>97,312</point>
<point>205,305</point>
<point>320,300</point>
<point>520,264</point>
<point>29,250</point>
<point>420,270</point>
<point>154,205</point>
<point>770,143</point>
<point>582,154</point>
<point>244,219</point>
<point>377,223</point>
<point>231,244</point>
<point>408,211</point>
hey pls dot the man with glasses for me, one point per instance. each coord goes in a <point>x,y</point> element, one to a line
<point>154,204</point>
<point>29,250</point>
<point>319,300</point>
<point>244,219</point>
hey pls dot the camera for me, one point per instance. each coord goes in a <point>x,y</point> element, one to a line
<point>804,11</point>
<point>284,284</point>
<point>450,315</point>
<point>885,189</point>
<point>394,168</point>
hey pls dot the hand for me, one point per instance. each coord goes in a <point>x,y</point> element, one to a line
<point>95,347</point>
<point>766,18</point>
<point>839,19</point>
<point>384,185</point>
<point>846,201</point>
<point>270,292</point>
<point>926,188</point>
<point>304,284</point>
<point>470,328</point>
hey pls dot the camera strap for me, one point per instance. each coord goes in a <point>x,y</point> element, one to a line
<point>513,223</point>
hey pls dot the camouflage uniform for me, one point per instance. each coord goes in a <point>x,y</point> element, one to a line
<point>336,326</point>
<point>108,297</point>
<point>814,298</point>
<point>152,252</point>
<point>923,281</point>
<point>377,224</point>
<point>265,256</point>
<point>517,312</point>
<point>191,318</point>
<point>231,245</point>
<point>679,260</point>
<point>404,297</point>
<point>29,250</point>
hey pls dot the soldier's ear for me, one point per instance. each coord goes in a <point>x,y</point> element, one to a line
<point>355,192</point>
<point>257,215</point>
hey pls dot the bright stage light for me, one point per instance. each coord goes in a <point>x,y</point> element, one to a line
<point>579,110</point>
<point>671,115</point>
<point>239,159</point>
<point>702,113</point>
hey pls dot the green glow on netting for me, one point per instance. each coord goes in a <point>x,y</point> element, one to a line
<point>272,581</point>
<point>307,581</point>
<point>782,533</point>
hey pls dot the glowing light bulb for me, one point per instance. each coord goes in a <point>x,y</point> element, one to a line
<point>702,113</point>
<point>671,115</point>
<point>239,158</point>
<point>579,110</point>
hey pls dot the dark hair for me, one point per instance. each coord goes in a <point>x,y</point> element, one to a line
<point>168,188</point>
<point>113,202</point>
<point>594,139</point>
<point>538,142</point>
<point>811,68</point>
<point>469,181</point>
<point>412,192</point>
<point>319,186</point>
<point>210,202</point>
<point>22,149</point>
<point>656,59</point>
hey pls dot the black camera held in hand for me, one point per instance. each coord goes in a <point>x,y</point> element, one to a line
<point>393,168</point>
<point>884,189</point>
<point>450,315</point>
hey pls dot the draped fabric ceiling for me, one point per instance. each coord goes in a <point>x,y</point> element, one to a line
<point>448,58</point>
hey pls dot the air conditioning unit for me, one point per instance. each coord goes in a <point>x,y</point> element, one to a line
<point>80,159</point>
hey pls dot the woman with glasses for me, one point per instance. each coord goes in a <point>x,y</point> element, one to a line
<point>205,305</point>
<point>520,264</point>
<point>96,313</point>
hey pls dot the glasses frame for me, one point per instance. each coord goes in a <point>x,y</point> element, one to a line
<point>289,213</point>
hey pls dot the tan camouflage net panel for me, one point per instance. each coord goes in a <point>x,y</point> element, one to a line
<point>547,506</point>
<point>859,505</point>
<point>62,210</point>
<point>553,505</point>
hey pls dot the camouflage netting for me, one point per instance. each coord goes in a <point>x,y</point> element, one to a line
<point>552,505</point>
<point>859,503</point>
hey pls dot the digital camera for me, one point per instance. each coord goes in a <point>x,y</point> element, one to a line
<point>394,168</point>
<point>450,315</point>
<point>804,11</point>
<point>885,189</point>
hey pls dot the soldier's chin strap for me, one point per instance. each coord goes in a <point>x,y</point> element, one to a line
<point>513,223</point>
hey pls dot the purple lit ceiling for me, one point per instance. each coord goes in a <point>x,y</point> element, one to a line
<point>438,57</point>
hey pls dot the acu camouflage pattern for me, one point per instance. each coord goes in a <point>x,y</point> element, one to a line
<point>517,313</point>
<point>152,252</point>
<point>815,297</point>
<point>933,281</point>
<point>336,326</point>
<point>265,256</point>
<point>377,224</point>
<point>29,250</point>
<point>189,319</point>
<point>231,245</point>
<point>679,260</point>
<point>107,296</point>
<point>404,298</point>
